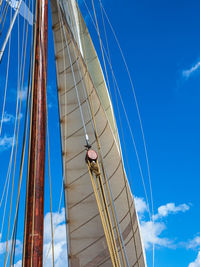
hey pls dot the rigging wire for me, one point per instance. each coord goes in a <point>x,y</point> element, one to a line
<point>4,21</point>
<point>125,182</point>
<point>65,127</point>
<point>139,117</point>
<point>146,155</point>
<point>1,6</point>
<point>11,156</point>
<point>129,126</point>
<point>14,241</point>
<point>136,103</point>
<point>140,121</point>
<point>28,99</point>
<point>59,206</point>
<point>5,10</point>
<point>120,121</point>
<point>52,236</point>
<point>6,84</point>
<point>49,167</point>
<point>10,162</point>
<point>18,123</point>
<point>16,224</point>
<point>118,112</point>
<point>5,205</point>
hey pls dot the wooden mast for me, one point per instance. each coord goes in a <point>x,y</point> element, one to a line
<point>33,239</point>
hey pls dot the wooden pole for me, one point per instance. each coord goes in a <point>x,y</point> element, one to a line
<point>33,240</point>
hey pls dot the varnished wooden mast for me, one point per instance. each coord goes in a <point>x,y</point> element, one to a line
<point>33,240</point>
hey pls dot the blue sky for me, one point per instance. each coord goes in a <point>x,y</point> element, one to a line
<point>161,43</point>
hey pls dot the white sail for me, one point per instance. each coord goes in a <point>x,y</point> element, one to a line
<point>77,79</point>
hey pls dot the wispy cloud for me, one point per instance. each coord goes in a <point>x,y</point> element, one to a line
<point>6,142</point>
<point>195,263</point>
<point>170,208</point>
<point>194,69</point>
<point>152,231</point>
<point>194,243</point>
<point>51,96</point>
<point>9,118</point>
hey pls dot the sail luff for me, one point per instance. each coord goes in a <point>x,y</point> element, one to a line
<point>35,204</point>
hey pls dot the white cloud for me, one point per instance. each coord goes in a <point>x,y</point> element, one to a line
<point>151,234</point>
<point>152,231</point>
<point>196,263</point>
<point>140,205</point>
<point>5,142</point>
<point>18,248</point>
<point>187,73</point>
<point>18,264</point>
<point>170,208</point>
<point>194,243</point>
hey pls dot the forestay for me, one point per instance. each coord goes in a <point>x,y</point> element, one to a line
<point>80,78</point>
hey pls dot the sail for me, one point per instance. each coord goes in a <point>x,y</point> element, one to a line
<point>80,79</point>
<point>96,74</point>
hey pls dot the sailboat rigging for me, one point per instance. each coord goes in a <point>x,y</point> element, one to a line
<point>102,223</point>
